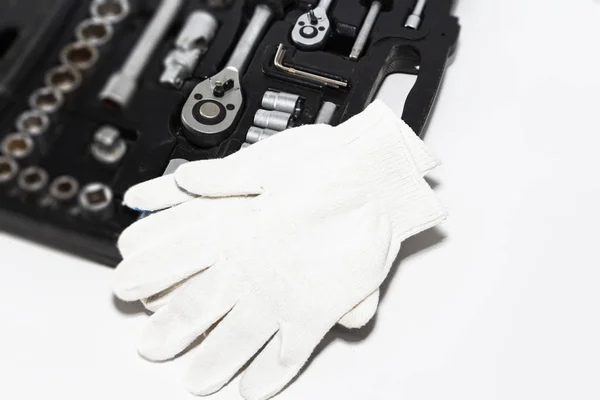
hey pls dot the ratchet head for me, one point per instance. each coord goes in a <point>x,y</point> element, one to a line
<point>212,109</point>
<point>311,29</point>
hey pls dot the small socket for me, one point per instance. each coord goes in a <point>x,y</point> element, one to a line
<point>64,188</point>
<point>110,11</point>
<point>80,55</point>
<point>46,99</point>
<point>108,147</point>
<point>96,199</point>
<point>94,31</point>
<point>32,179</point>
<point>64,78</point>
<point>17,145</point>
<point>8,169</point>
<point>33,122</point>
<point>275,120</point>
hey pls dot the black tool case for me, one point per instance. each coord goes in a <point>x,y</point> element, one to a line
<point>33,33</point>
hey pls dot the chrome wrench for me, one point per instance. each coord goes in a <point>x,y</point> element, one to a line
<point>215,103</point>
<point>312,28</point>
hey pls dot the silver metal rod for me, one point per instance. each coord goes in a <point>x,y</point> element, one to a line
<point>365,30</point>
<point>121,86</point>
<point>414,20</point>
<point>256,27</point>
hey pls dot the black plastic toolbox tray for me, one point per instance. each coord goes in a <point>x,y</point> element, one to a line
<point>151,123</point>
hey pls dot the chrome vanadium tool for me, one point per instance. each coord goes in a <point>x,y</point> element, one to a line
<point>122,85</point>
<point>312,28</point>
<point>414,19</point>
<point>214,105</point>
<point>365,30</point>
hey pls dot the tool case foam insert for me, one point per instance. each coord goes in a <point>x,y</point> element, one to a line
<point>34,33</point>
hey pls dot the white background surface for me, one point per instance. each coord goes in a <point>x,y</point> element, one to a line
<point>502,302</point>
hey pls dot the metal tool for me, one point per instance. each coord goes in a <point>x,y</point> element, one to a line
<point>414,19</point>
<point>33,122</point>
<point>95,31</point>
<point>365,30</point>
<point>81,55</point>
<point>64,188</point>
<point>8,170</point>
<point>326,113</point>
<point>46,99</point>
<point>111,11</point>
<point>215,103</point>
<point>32,180</point>
<point>275,120</point>
<point>108,146</point>
<point>96,200</point>
<point>281,101</point>
<point>312,28</point>
<point>256,134</point>
<point>64,78</point>
<point>191,44</point>
<point>121,85</point>
<point>17,145</point>
<point>323,80</point>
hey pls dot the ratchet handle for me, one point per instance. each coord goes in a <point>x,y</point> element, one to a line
<point>252,34</point>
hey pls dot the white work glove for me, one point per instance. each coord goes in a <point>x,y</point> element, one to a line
<point>284,265</point>
<point>163,192</point>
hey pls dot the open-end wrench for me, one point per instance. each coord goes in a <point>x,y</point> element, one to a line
<point>214,105</point>
<point>312,28</point>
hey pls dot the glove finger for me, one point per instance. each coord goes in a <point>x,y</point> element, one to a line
<point>156,194</point>
<point>360,315</point>
<point>190,314</point>
<point>207,213</point>
<point>229,346</point>
<point>280,361</point>
<point>146,273</point>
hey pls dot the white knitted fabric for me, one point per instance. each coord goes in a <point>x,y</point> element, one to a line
<point>283,264</point>
<point>163,192</point>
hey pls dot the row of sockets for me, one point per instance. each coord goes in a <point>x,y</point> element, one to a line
<point>94,199</point>
<point>76,59</point>
<point>279,112</point>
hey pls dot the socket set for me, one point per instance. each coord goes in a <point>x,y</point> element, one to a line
<point>99,95</point>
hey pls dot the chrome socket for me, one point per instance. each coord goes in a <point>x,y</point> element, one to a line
<point>326,113</point>
<point>256,134</point>
<point>64,78</point>
<point>46,99</point>
<point>32,180</point>
<point>110,11</point>
<point>8,170</point>
<point>79,55</point>
<point>64,188</point>
<point>96,200</point>
<point>281,101</point>
<point>276,120</point>
<point>33,122</point>
<point>108,147</point>
<point>94,31</point>
<point>18,145</point>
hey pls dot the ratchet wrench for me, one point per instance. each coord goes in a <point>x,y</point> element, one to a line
<point>214,105</point>
<point>312,28</point>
